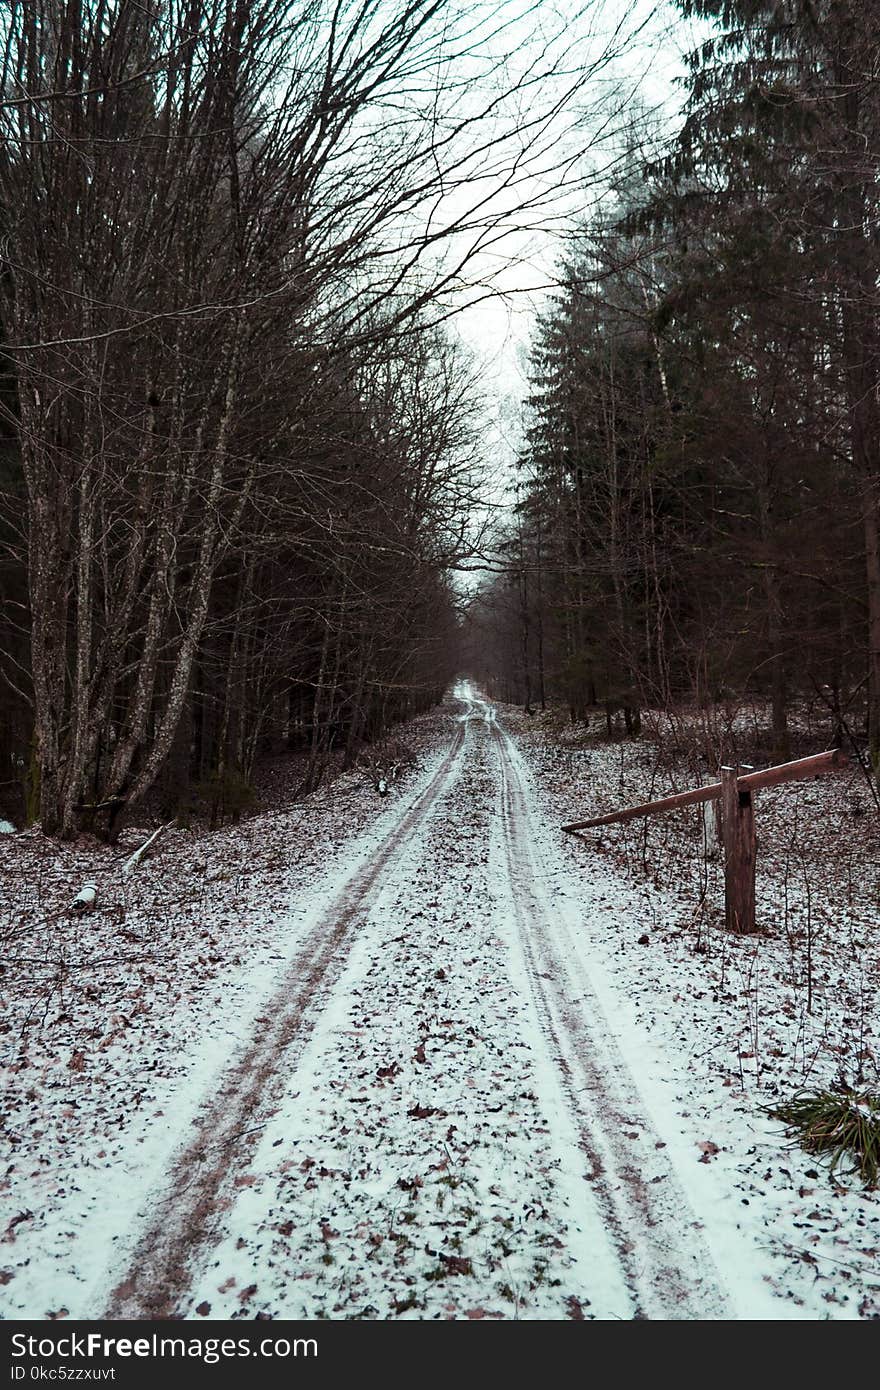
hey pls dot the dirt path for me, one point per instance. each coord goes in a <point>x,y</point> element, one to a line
<point>435,1120</point>
<point>666,1267</point>
<point>183,1218</point>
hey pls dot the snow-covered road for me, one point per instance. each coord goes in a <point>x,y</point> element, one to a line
<point>664,1262</point>
<point>432,1117</point>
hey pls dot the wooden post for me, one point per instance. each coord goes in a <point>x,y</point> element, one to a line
<point>735,797</point>
<point>738,820</point>
<point>713,833</point>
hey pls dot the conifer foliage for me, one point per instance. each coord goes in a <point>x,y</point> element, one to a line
<point>704,431</point>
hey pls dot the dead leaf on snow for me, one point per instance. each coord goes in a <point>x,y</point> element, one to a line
<point>410,1184</point>
<point>575,1308</point>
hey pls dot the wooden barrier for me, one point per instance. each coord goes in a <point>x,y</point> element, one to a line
<point>736,794</point>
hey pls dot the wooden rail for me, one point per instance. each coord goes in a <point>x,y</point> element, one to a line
<point>831,761</point>
<point>737,820</point>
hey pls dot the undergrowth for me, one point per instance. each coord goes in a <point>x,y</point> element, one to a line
<point>837,1124</point>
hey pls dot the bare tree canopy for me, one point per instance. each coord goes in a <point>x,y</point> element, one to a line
<point>238,458</point>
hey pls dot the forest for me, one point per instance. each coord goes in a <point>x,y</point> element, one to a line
<point>698,491</point>
<point>237,444</point>
<point>439,672</point>
<point>240,442</point>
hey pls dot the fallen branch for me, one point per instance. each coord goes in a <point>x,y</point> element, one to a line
<point>133,861</point>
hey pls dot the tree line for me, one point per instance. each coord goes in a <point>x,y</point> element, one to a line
<point>237,441</point>
<point>698,495</point>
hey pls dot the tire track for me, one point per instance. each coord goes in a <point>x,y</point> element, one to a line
<point>665,1264</point>
<point>185,1212</point>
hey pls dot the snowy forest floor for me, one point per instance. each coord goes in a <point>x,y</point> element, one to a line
<point>428,1057</point>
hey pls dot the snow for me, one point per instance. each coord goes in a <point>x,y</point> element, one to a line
<point>717,1028</point>
<point>119,1023</point>
<point>419,1152</point>
<point>433,1174</point>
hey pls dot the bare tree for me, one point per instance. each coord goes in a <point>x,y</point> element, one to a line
<point>199,200</point>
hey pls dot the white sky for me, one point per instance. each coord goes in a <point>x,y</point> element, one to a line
<point>497,330</point>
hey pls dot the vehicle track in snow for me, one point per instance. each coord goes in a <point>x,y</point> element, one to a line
<point>666,1267</point>
<point>185,1212</point>
<point>629,1205</point>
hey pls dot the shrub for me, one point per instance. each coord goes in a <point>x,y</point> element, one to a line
<point>838,1124</point>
